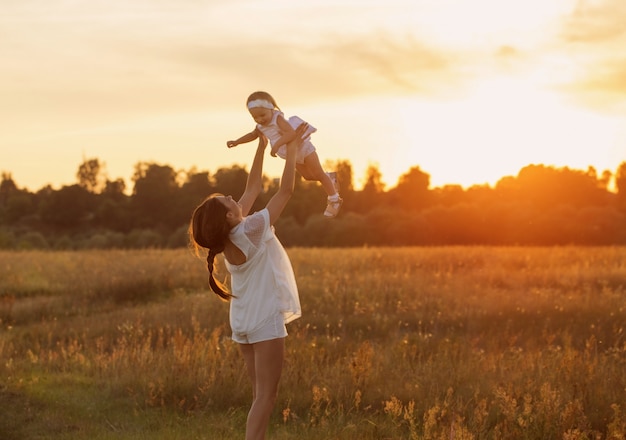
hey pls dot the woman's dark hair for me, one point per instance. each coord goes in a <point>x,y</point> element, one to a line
<point>209,229</point>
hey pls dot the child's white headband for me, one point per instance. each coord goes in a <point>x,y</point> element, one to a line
<point>260,103</point>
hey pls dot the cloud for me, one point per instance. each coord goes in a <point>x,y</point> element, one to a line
<point>596,22</point>
<point>327,68</point>
<point>605,85</point>
<point>182,56</point>
<point>594,37</point>
<point>385,63</point>
<point>149,56</point>
<point>506,52</point>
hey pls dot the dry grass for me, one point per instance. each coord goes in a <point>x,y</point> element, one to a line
<point>395,343</point>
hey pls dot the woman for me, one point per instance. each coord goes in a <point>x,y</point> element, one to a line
<point>264,293</point>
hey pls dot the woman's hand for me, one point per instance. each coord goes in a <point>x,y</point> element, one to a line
<point>231,144</point>
<point>297,140</point>
<point>302,128</point>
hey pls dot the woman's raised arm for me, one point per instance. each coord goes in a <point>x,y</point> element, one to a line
<point>255,178</point>
<point>277,203</point>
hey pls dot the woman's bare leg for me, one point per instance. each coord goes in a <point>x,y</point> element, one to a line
<point>247,351</point>
<point>264,361</point>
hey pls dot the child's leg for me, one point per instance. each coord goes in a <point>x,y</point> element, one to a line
<point>304,172</point>
<point>311,169</point>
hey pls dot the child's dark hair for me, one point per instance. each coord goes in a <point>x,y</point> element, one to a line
<point>262,95</point>
<point>209,229</point>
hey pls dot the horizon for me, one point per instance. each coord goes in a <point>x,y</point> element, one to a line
<point>611,185</point>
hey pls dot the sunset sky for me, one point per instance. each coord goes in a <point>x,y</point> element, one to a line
<point>468,90</point>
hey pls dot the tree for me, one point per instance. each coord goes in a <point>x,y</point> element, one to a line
<point>68,207</point>
<point>196,187</point>
<point>193,191</point>
<point>620,184</point>
<point>546,187</point>
<point>90,175</point>
<point>373,180</point>
<point>411,192</point>
<point>448,195</point>
<point>17,206</point>
<point>113,210</point>
<point>154,198</point>
<point>8,189</point>
<point>114,189</point>
<point>541,205</point>
<point>7,186</point>
<point>231,181</point>
<point>372,194</point>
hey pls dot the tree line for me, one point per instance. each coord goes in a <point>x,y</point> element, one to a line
<point>542,205</point>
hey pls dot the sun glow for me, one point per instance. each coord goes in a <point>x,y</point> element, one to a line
<point>500,126</point>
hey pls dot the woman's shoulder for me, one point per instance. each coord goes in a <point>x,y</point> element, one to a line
<point>258,216</point>
<point>256,226</point>
<point>257,220</point>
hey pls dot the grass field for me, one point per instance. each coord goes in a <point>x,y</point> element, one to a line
<point>394,343</point>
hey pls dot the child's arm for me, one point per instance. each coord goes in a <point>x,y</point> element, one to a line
<point>248,137</point>
<point>288,134</point>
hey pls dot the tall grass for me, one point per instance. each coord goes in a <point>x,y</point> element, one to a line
<point>394,343</point>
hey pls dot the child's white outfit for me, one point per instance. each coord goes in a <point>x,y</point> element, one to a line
<point>264,287</point>
<point>273,133</point>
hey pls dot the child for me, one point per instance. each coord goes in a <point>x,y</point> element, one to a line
<point>272,124</point>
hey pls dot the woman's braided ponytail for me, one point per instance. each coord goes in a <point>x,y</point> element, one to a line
<point>216,286</point>
<point>209,229</point>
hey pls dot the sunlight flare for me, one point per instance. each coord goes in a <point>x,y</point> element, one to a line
<point>501,125</point>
